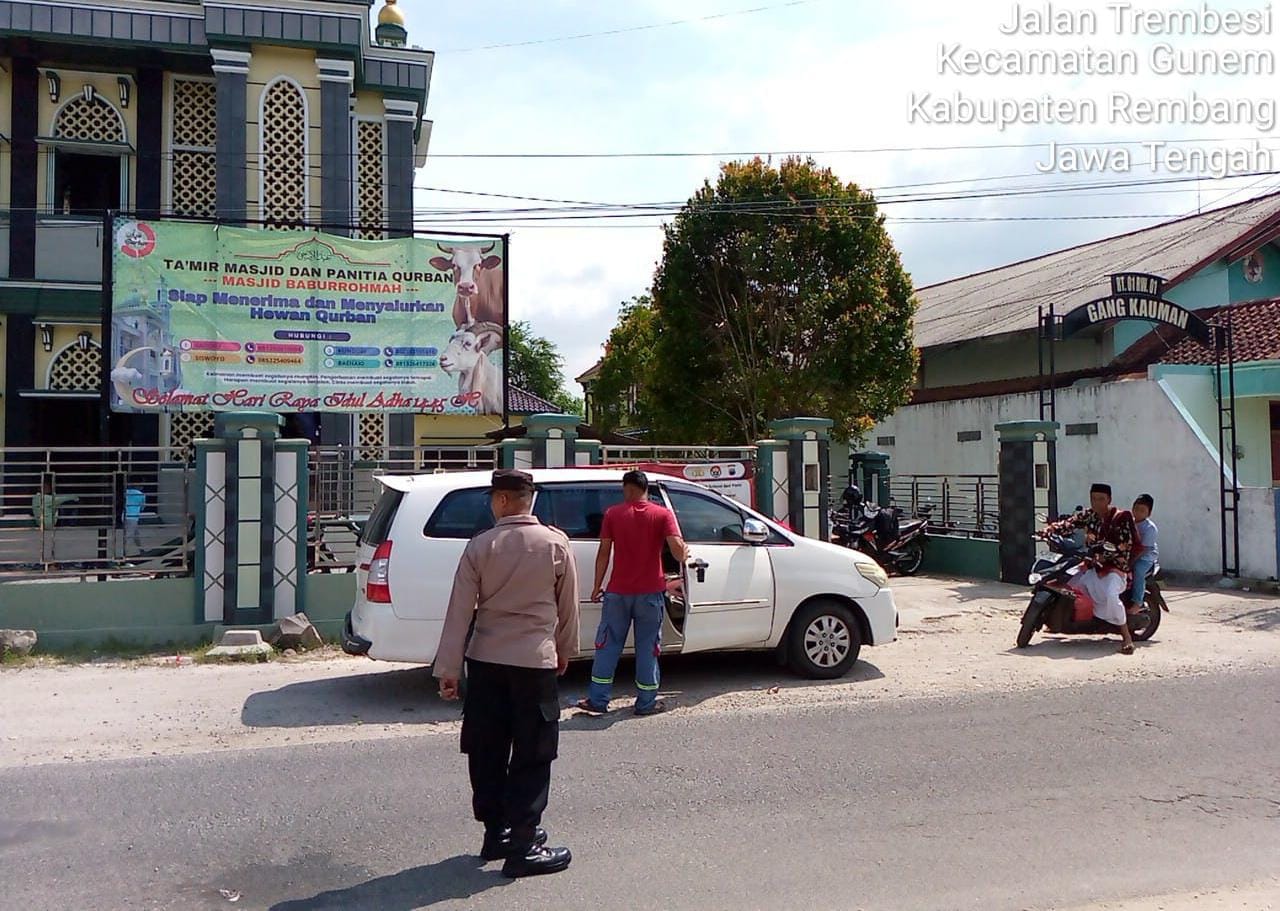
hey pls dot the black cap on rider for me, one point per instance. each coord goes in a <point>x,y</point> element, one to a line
<point>1101,488</point>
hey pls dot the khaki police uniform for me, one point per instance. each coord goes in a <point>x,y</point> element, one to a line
<point>519,584</point>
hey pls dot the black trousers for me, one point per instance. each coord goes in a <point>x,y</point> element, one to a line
<point>510,733</point>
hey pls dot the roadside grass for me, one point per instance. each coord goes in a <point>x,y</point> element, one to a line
<point>109,650</point>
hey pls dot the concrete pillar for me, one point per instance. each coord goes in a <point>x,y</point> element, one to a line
<point>794,474</point>
<point>870,471</point>
<point>588,452</point>
<point>1024,490</point>
<point>554,438</point>
<point>337,78</point>
<point>402,120</point>
<point>251,521</point>
<point>516,453</point>
<point>231,69</point>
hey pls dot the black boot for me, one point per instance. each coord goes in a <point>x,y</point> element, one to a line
<point>536,861</point>
<point>497,843</point>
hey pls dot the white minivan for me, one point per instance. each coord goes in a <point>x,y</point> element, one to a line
<point>749,583</point>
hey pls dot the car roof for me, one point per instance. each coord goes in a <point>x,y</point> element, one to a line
<point>453,479</point>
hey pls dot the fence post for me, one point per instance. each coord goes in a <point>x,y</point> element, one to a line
<point>795,468</point>
<point>553,437</point>
<point>872,472</point>
<point>251,521</point>
<point>1019,441</point>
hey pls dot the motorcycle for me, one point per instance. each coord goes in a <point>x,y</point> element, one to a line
<point>881,534</point>
<point>1062,610</point>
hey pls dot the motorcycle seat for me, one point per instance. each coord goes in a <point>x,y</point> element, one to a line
<point>1154,571</point>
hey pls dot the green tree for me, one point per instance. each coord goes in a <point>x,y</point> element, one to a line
<point>535,365</point>
<point>619,393</point>
<point>779,294</point>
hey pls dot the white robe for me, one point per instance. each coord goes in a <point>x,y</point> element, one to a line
<point>1105,591</point>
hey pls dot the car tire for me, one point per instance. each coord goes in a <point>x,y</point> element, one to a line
<point>823,641</point>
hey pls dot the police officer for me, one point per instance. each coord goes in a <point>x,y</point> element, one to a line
<point>519,583</point>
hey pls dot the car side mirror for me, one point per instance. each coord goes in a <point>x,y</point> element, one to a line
<point>755,532</point>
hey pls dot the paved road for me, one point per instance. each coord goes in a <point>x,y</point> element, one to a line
<point>1000,801</point>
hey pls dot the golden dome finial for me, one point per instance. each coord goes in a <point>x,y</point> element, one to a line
<point>390,14</point>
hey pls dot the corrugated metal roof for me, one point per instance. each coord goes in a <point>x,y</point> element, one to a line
<point>1006,299</point>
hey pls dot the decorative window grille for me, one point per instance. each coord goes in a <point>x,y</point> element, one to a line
<point>370,201</point>
<point>92,120</point>
<point>185,427</point>
<point>194,140</point>
<point>284,154</point>
<point>372,435</point>
<point>76,370</point>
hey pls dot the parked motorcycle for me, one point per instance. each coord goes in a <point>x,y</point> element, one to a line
<point>880,533</point>
<point>1060,609</point>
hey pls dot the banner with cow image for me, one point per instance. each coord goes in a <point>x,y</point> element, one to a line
<point>213,318</point>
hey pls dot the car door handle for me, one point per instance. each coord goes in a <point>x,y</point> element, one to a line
<point>700,567</point>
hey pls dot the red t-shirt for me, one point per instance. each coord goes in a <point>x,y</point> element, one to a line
<point>638,531</point>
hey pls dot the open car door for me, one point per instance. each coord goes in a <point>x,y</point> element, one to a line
<point>727,581</point>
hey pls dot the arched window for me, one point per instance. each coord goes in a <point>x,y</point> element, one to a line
<point>283,146</point>
<point>91,119</point>
<point>76,369</point>
<point>90,178</point>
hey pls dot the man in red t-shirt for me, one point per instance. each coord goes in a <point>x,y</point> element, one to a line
<point>633,534</point>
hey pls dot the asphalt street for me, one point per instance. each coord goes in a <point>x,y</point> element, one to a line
<point>990,801</point>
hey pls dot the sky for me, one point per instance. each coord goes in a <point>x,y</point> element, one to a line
<point>833,76</point>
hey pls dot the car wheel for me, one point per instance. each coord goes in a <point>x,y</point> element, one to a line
<point>824,640</point>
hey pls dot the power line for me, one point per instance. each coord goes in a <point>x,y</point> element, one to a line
<point>628,29</point>
<point>784,153</point>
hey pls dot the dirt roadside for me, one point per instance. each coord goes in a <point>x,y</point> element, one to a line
<point>1252,897</point>
<point>956,637</point>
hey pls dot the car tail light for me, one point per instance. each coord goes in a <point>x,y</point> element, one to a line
<point>378,589</point>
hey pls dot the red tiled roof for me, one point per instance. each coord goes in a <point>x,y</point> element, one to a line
<point>521,402</point>
<point>1255,332</point>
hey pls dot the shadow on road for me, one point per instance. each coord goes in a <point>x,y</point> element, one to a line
<point>1076,648</point>
<point>382,697</point>
<point>1257,619</point>
<point>940,589</point>
<point>418,887</point>
<point>410,696</point>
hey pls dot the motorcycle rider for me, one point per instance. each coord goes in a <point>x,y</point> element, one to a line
<point>1107,577</point>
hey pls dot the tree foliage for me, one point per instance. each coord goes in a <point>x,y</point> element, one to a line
<point>535,365</point>
<point>779,294</point>
<point>619,392</point>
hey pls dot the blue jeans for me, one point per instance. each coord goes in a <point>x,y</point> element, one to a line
<point>1141,567</point>
<point>616,618</point>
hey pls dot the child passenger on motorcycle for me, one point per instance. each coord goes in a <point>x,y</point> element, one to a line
<point>1148,552</point>
<point>1107,577</point>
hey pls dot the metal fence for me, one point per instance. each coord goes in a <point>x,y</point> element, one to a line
<point>344,490</point>
<point>94,511</point>
<point>961,504</point>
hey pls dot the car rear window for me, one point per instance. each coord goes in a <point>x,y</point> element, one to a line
<point>378,526</point>
<point>461,514</point>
